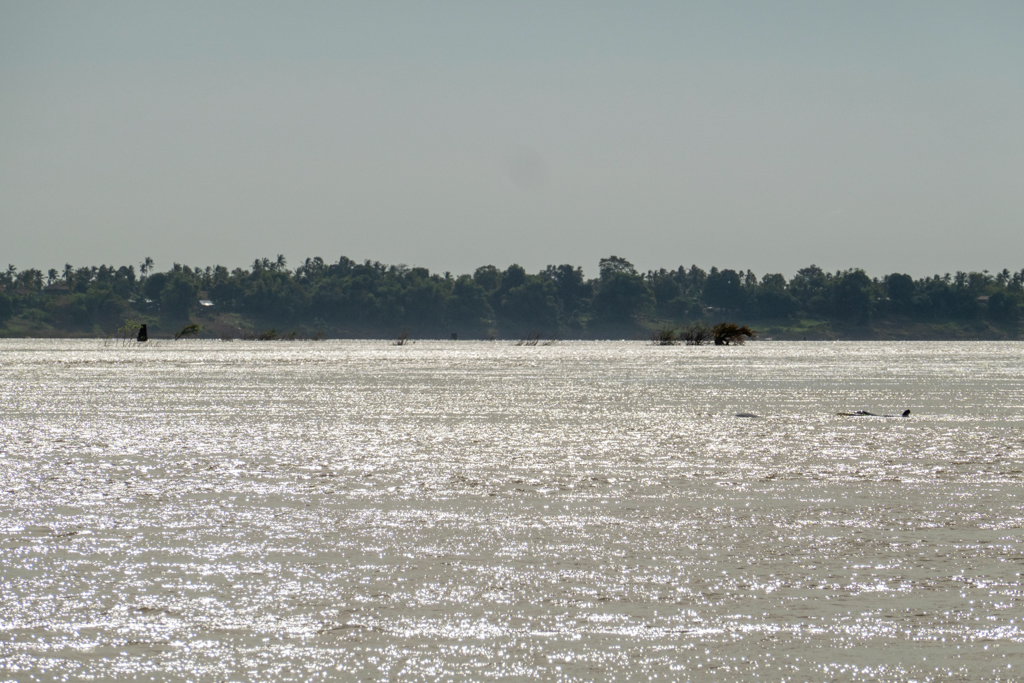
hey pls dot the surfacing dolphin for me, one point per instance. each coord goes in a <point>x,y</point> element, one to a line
<point>864,413</point>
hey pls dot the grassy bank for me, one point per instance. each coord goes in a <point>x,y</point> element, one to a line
<point>229,325</point>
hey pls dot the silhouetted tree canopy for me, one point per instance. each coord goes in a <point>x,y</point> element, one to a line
<point>723,289</point>
<point>372,299</point>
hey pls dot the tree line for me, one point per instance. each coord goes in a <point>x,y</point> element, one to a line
<point>371,299</point>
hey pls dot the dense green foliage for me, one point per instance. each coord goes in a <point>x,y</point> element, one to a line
<point>370,299</point>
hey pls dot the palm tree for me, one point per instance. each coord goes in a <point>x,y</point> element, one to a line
<point>51,276</point>
<point>32,279</point>
<point>146,266</point>
<point>69,273</point>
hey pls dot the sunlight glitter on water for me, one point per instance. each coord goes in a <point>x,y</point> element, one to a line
<point>315,511</point>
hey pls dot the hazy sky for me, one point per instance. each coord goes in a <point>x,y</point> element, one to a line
<point>763,135</point>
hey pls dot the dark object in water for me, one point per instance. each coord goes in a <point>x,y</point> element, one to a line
<point>864,413</point>
<point>746,415</point>
<point>727,334</point>
<point>143,334</point>
<point>187,331</point>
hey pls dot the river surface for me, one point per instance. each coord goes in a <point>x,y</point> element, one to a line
<point>306,511</point>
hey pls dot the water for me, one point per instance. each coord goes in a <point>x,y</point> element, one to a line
<point>279,511</point>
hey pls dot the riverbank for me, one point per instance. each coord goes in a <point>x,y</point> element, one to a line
<point>237,326</point>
